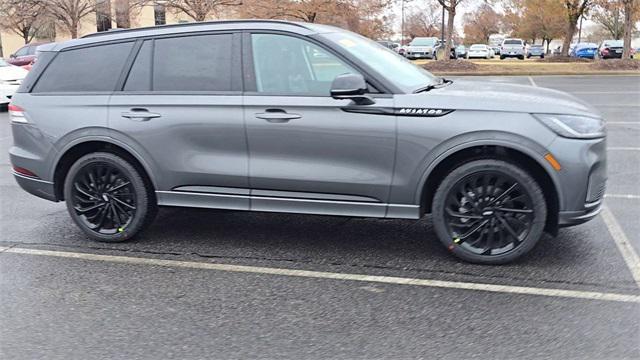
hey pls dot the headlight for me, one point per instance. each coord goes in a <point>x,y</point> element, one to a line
<point>571,126</point>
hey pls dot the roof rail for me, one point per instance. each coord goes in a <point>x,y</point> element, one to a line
<point>200,23</point>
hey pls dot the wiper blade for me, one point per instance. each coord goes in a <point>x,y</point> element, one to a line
<point>429,87</point>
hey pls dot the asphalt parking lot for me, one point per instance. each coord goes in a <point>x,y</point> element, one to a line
<point>223,284</point>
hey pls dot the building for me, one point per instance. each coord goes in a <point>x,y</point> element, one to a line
<point>147,15</point>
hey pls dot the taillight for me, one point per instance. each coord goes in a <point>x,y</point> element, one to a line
<point>605,51</point>
<point>16,114</point>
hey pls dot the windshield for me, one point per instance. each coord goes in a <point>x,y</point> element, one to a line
<point>477,47</point>
<point>423,42</point>
<point>536,46</point>
<point>406,75</point>
<point>586,45</point>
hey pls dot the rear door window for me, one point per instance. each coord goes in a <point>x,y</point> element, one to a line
<point>91,69</point>
<point>189,63</point>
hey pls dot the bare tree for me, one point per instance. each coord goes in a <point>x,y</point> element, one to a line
<point>574,10</point>
<point>450,6</point>
<point>200,10</point>
<point>424,22</point>
<point>22,17</point>
<point>69,13</point>
<point>609,14</point>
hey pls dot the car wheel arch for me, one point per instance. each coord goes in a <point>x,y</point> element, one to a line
<point>503,150</point>
<point>77,149</point>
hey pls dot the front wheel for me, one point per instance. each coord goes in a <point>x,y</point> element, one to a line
<point>489,211</point>
<point>107,197</point>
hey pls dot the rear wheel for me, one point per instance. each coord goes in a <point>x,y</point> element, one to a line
<point>489,211</point>
<point>108,198</point>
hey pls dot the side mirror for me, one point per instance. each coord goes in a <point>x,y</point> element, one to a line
<point>351,86</point>
<point>12,56</point>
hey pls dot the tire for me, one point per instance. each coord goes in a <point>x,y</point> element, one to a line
<point>460,206</point>
<point>107,197</point>
<point>521,57</point>
<point>502,57</point>
<point>541,56</point>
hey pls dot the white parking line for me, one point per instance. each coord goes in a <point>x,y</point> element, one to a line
<point>521,290</point>
<point>622,196</point>
<point>630,256</point>
<point>533,83</point>
<point>623,148</point>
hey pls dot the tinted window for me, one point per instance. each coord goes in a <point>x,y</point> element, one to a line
<point>289,65</point>
<point>95,68</point>
<point>513,42</point>
<point>194,63</point>
<point>22,51</point>
<point>140,74</point>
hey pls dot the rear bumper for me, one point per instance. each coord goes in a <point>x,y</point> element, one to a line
<point>37,187</point>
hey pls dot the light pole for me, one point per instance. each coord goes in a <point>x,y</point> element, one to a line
<point>402,24</point>
<point>580,31</point>
<point>442,28</point>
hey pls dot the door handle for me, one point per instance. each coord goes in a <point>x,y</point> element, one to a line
<point>277,116</point>
<point>139,114</point>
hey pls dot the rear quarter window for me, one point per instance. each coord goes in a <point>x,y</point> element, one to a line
<point>91,69</point>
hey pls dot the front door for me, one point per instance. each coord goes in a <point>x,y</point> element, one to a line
<point>306,153</point>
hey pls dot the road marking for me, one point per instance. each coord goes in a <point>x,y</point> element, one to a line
<point>533,83</point>
<point>623,148</point>
<point>508,289</point>
<point>622,196</point>
<point>630,256</point>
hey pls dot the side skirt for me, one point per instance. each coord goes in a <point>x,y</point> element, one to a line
<point>287,205</point>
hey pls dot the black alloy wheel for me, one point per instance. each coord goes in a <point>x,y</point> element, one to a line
<point>108,198</point>
<point>489,211</point>
<point>104,198</point>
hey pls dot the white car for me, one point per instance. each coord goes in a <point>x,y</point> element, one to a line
<point>422,48</point>
<point>10,78</point>
<point>480,51</point>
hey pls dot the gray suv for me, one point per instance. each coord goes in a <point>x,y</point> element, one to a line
<point>300,118</point>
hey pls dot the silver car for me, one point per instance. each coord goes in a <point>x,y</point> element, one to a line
<point>301,118</point>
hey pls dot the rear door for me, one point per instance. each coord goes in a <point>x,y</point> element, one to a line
<point>304,144</point>
<point>181,109</point>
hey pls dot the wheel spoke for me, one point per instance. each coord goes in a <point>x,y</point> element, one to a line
<point>474,230</point>
<point>124,203</point>
<point>463,216</point>
<point>87,209</point>
<point>117,187</point>
<point>518,211</point>
<point>504,193</point>
<point>509,228</point>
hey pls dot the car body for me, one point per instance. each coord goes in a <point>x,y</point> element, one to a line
<point>422,48</point>
<point>461,51</point>
<point>496,49</point>
<point>481,51</point>
<point>535,50</point>
<point>584,51</point>
<point>117,124</point>
<point>25,55</point>
<point>612,49</point>
<point>10,79</point>
<point>512,47</point>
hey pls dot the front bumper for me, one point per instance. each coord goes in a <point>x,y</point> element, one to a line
<point>572,218</point>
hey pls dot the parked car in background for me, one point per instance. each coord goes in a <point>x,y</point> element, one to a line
<point>442,45</point>
<point>422,48</point>
<point>25,55</point>
<point>584,51</point>
<point>390,45</point>
<point>481,51</point>
<point>612,49</point>
<point>512,48</point>
<point>535,50</point>
<point>11,77</point>
<point>496,49</point>
<point>461,51</point>
<point>214,124</point>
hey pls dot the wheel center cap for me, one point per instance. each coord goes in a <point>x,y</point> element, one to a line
<point>105,197</point>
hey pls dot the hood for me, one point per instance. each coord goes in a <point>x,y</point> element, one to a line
<point>486,96</point>
<point>12,73</point>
